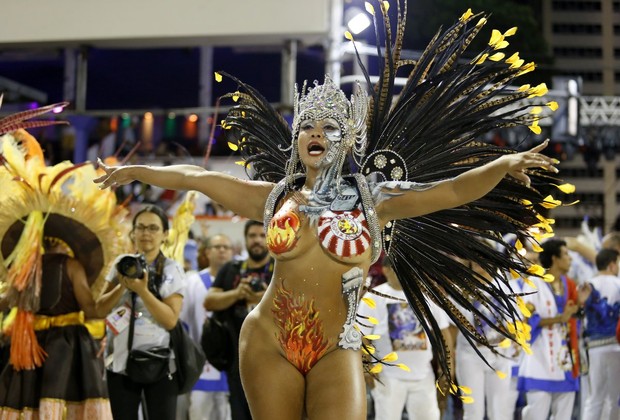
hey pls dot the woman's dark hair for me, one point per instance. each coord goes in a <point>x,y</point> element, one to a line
<point>156,210</point>
<point>605,257</point>
<point>551,248</point>
<point>249,224</point>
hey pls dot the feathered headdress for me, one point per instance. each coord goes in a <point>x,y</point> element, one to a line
<point>38,201</point>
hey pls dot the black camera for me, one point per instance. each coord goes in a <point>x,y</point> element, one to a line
<point>581,313</point>
<point>256,284</point>
<point>132,265</point>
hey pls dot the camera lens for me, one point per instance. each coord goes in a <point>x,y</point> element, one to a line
<point>131,266</point>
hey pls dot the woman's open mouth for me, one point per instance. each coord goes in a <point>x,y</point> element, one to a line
<point>315,149</point>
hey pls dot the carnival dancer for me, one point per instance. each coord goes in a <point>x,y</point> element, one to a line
<point>327,222</point>
<point>57,234</point>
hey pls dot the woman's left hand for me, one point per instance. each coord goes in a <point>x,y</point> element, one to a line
<point>519,162</point>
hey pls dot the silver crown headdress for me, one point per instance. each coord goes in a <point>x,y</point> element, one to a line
<point>328,101</point>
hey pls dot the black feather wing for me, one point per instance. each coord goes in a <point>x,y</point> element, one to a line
<point>262,134</point>
<point>432,132</point>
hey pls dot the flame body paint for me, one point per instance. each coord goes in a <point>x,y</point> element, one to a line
<point>301,332</point>
<point>282,232</point>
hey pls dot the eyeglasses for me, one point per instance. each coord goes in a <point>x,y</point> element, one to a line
<point>222,247</point>
<point>150,228</point>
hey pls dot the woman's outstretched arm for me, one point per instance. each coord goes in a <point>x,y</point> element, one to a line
<point>400,202</point>
<point>244,197</point>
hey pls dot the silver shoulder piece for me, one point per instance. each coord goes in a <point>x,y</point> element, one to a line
<point>371,215</point>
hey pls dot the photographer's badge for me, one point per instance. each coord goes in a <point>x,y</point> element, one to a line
<point>118,319</point>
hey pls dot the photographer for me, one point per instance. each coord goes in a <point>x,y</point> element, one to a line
<point>238,287</point>
<point>153,285</point>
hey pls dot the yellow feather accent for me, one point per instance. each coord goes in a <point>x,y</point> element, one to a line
<point>523,307</point>
<point>511,31</point>
<point>504,344</point>
<point>218,77</point>
<point>370,302</point>
<point>501,374</point>
<point>439,388</point>
<point>348,35</point>
<point>372,337</point>
<point>496,37</point>
<point>529,282</point>
<point>465,389</point>
<point>369,8</point>
<point>535,128</point>
<point>566,188</point>
<point>468,13</point>
<point>391,357</point>
<point>536,269</point>
<point>513,58</point>
<point>550,203</point>
<point>527,68</point>
<point>481,59</point>
<point>376,368</point>
<point>233,146</point>
<point>467,400</point>
<point>368,349</point>
<point>403,367</point>
<point>553,105</point>
<point>517,63</point>
<point>538,90</point>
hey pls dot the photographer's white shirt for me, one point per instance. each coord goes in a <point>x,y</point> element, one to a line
<point>147,332</point>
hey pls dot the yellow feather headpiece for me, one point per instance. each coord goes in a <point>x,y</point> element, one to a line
<point>59,201</point>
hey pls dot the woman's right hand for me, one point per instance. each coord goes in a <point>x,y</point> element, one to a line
<point>114,175</point>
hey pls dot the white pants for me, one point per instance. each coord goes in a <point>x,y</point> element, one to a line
<point>419,397</point>
<point>485,385</point>
<point>604,381</point>
<point>209,406</point>
<point>540,403</point>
